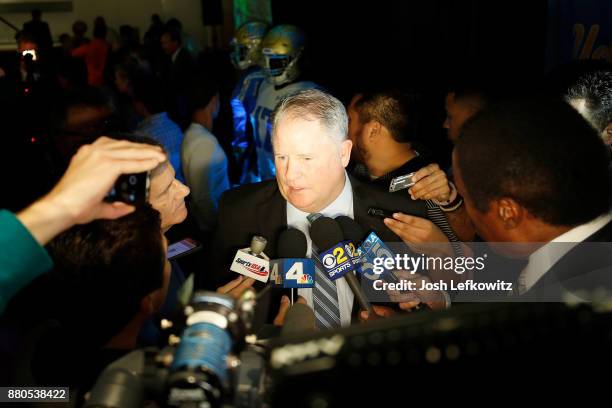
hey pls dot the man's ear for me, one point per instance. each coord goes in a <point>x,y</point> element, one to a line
<point>345,152</point>
<point>509,212</point>
<point>372,131</point>
<point>147,305</point>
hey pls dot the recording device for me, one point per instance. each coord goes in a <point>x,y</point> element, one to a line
<point>252,262</point>
<point>198,369</point>
<point>292,269</point>
<point>337,259</point>
<point>132,189</point>
<point>332,253</point>
<point>183,248</point>
<point>401,183</point>
<point>212,364</point>
<point>371,247</point>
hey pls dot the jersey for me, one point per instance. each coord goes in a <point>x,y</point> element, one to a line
<point>244,98</point>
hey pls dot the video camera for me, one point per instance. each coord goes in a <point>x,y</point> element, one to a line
<point>207,366</point>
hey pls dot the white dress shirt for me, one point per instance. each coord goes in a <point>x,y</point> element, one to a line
<point>205,171</point>
<point>342,205</point>
<point>542,260</point>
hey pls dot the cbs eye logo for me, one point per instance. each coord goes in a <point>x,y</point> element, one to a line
<point>329,261</point>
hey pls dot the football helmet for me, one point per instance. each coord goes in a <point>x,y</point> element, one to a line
<point>246,44</point>
<point>282,47</point>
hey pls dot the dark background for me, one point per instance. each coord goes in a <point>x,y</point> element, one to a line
<point>425,44</point>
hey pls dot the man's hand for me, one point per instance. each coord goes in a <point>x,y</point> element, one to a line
<point>420,234</point>
<point>279,320</point>
<point>379,311</point>
<point>431,184</point>
<point>236,287</point>
<point>408,300</point>
<point>78,196</point>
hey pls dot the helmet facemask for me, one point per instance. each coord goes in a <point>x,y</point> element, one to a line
<point>281,69</point>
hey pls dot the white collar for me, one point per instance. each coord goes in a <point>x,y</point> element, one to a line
<point>176,53</point>
<point>342,205</point>
<point>543,259</point>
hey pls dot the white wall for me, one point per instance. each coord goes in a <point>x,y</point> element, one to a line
<point>117,12</point>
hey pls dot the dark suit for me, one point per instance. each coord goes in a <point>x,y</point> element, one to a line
<point>178,77</point>
<point>260,209</point>
<point>585,268</point>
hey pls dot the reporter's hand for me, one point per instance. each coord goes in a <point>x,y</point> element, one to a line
<point>279,320</point>
<point>379,311</point>
<point>420,234</point>
<point>236,287</point>
<point>410,299</point>
<point>92,173</point>
<point>431,184</point>
<point>78,196</point>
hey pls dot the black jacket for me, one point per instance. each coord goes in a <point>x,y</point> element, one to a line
<point>260,209</point>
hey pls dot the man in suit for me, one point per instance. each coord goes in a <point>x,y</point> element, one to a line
<point>177,74</point>
<point>534,172</point>
<point>311,151</point>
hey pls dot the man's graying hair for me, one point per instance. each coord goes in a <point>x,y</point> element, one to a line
<point>314,105</point>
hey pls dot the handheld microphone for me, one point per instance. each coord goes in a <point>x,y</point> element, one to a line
<point>300,318</point>
<point>337,258</point>
<point>353,232</point>
<point>373,247</point>
<point>292,269</point>
<point>327,236</point>
<point>253,262</point>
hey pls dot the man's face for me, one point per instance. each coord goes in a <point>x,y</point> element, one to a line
<point>606,134</point>
<point>167,195</point>
<point>356,131</point>
<point>487,224</point>
<point>309,164</point>
<point>457,113</point>
<point>122,83</point>
<point>168,45</point>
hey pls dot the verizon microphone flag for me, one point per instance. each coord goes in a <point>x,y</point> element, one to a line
<point>251,266</point>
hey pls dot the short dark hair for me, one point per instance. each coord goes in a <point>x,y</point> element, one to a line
<point>174,34</point>
<point>400,112</point>
<point>201,93</point>
<point>595,88</point>
<point>105,269</point>
<point>539,152</point>
<point>36,13</point>
<point>148,90</point>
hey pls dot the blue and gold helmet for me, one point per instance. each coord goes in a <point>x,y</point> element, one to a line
<point>282,47</point>
<point>246,44</point>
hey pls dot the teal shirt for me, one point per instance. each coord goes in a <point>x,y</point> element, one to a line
<point>21,257</point>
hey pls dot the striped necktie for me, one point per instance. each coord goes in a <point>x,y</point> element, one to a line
<point>325,299</point>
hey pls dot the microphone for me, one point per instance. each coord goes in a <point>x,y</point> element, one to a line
<point>373,247</point>
<point>292,269</point>
<point>300,318</point>
<point>252,262</point>
<point>353,232</point>
<point>336,256</point>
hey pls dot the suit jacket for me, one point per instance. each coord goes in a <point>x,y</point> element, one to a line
<point>260,209</point>
<point>584,269</point>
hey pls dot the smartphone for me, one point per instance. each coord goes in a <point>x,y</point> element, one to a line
<point>183,248</point>
<point>131,189</point>
<point>380,213</point>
